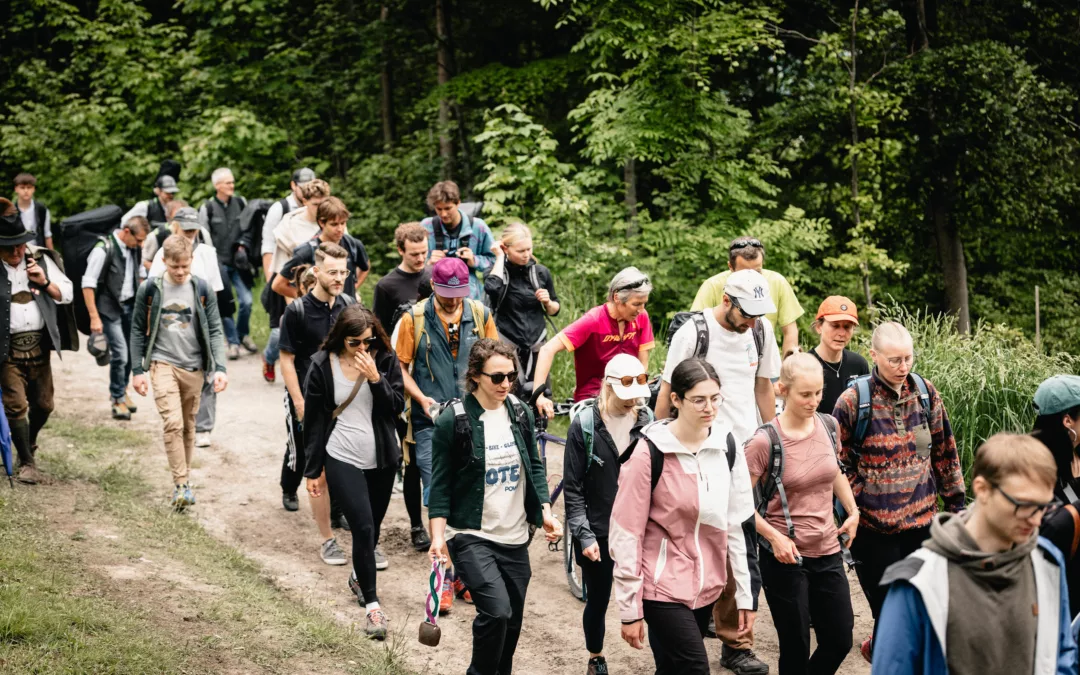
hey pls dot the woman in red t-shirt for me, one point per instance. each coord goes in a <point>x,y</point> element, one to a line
<point>619,326</point>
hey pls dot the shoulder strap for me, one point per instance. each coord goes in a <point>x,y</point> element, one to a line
<point>775,479</point>
<point>347,299</point>
<point>418,322</point>
<point>924,393</point>
<point>300,308</point>
<point>730,452</point>
<point>352,394</point>
<point>439,232</point>
<point>588,423</point>
<point>284,207</point>
<point>521,413</point>
<point>1076,529</point>
<point>863,409</point>
<point>479,315</point>
<point>759,340</point>
<point>151,290</point>
<point>462,429</point>
<point>656,457</point>
<point>701,346</point>
<point>829,422</point>
<point>534,278</point>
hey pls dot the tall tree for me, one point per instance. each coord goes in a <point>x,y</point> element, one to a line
<point>386,81</point>
<point>445,59</point>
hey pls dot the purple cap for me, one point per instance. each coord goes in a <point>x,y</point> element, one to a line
<point>450,278</point>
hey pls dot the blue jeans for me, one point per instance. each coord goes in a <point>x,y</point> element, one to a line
<point>423,456</point>
<point>243,319</point>
<point>272,353</point>
<point>117,332</point>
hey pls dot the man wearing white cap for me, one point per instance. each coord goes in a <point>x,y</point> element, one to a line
<point>741,346</point>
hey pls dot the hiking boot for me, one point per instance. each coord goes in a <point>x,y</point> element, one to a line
<point>867,649</point>
<point>461,592</point>
<point>30,475</point>
<point>181,496</point>
<point>338,522</point>
<point>597,666</point>
<point>129,403</point>
<point>189,496</point>
<point>742,662</point>
<point>381,562</point>
<point>233,352</point>
<point>332,554</point>
<point>446,601</point>
<point>202,439</point>
<point>120,410</point>
<point>268,371</point>
<point>249,344</point>
<point>420,540</point>
<point>376,625</point>
<point>354,586</point>
<point>290,502</point>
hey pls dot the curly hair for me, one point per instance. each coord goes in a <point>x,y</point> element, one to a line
<point>482,350</point>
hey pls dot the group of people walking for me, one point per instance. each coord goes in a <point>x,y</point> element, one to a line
<point>748,465</point>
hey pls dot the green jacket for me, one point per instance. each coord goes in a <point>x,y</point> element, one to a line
<point>146,319</point>
<point>457,481</point>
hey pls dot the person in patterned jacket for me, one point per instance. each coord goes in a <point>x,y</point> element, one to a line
<point>906,460</point>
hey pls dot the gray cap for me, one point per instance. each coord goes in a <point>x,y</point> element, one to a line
<point>98,346</point>
<point>187,218</point>
<point>1058,394</point>
<point>303,175</point>
<point>167,183</point>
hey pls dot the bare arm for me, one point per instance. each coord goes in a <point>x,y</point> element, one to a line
<point>267,259</point>
<point>766,399</point>
<point>544,358</point>
<point>89,297</point>
<point>643,356</point>
<point>663,401</point>
<point>361,275</point>
<point>49,243</point>
<point>281,287</point>
<point>790,338</point>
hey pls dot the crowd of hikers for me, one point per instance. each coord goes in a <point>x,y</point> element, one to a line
<point>746,466</point>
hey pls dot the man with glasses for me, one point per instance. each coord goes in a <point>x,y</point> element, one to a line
<point>986,594</point>
<point>748,253</point>
<point>900,460</point>
<point>746,371</point>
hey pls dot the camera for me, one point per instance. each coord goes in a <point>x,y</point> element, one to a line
<point>452,253</point>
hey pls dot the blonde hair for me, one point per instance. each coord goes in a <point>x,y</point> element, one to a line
<point>799,363</point>
<point>315,188</point>
<point>176,247</point>
<point>515,232</point>
<point>1005,454</point>
<point>607,395</point>
<point>889,332</point>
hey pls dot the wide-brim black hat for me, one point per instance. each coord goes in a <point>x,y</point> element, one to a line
<point>12,231</point>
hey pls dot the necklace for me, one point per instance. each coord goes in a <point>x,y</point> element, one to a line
<point>838,368</point>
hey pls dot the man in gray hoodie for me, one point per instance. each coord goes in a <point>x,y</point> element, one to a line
<point>986,593</point>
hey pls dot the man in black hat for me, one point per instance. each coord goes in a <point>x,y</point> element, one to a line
<point>32,287</point>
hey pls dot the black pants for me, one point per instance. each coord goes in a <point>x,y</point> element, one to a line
<point>677,637</point>
<point>597,577</point>
<point>292,478</point>
<point>875,552</point>
<point>815,591</point>
<point>412,493</point>
<point>365,494</point>
<point>498,577</point>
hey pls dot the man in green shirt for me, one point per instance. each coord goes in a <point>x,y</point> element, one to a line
<point>749,253</point>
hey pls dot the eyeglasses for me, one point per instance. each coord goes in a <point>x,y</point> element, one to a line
<point>699,403</point>
<point>629,380</point>
<point>340,274</point>
<point>497,378</point>
<point>1027,509</point>
<point>355,342</point>
<point>748,317</point>
<point>898,361</point>
<point>745,243</point>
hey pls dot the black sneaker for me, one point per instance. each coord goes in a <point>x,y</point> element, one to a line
<point>742,662</point>
<point>290,502</point>
<point>597,666</point>
<point>420,540</point>
<point>354,586</point>
<point>339,523</point>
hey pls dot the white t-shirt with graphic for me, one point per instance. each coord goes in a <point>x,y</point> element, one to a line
<point>503,520</point>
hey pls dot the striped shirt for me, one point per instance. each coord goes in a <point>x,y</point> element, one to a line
<point>895,488</point>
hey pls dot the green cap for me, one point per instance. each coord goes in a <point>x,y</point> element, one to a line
<point>1058,394</point>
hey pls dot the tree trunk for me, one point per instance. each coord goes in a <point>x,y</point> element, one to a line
<point>630,180</point>
<point>951,251</point>
<point>444,57</point>
<point>853,114</point>
<point>386,80</point>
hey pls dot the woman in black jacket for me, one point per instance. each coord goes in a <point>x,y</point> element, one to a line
<point>352,396</point>
<point>590,484</point>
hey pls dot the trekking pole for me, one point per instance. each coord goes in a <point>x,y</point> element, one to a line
<point>430,633</point>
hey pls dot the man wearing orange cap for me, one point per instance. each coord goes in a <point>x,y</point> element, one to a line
<point>837,319</point>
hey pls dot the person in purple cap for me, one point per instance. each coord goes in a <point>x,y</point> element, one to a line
<point>433,343</point>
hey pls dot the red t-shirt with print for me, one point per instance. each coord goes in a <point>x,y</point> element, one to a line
<point>595,338</point>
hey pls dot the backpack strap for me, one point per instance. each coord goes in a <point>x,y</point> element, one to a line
<point>439,232</point>
<point>151,290</point>
<point>656,458</point>
<point>534,278</point>
<point>701,345</point>
<point>588,423</point>
<point>731,450</point>
<point>1076,529</point>
<point>924,394</point>
<point>462,429</point>
<point>830,424</point>
<point>863,410</point>
<point>284,207</point>
<point>759,340</point>
<point>418,323</point>
<point>479,315</point>
<point>776,477</point>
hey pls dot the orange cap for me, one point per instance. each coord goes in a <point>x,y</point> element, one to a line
<point>838,308</point>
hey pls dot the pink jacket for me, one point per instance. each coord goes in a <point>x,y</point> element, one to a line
<point>672,544</point>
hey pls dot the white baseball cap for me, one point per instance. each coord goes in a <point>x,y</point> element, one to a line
<point>624,365</point>
<point>750,290</point>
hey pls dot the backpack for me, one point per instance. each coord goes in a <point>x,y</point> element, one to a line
<point>462,443</point>
<point>864,408</point>
<point>534,281</point>
<point>656,457</point>
<point>79,234</point>
<point>701,345</point>
<point>469,210</point>
<point>479,315</point>
<point>586,412</point>
<point>349,300</point>
<point>251,226</point>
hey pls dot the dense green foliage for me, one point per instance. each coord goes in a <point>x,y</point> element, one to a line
<point>645,133</point>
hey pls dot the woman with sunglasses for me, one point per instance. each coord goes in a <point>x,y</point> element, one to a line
<point>486,489</point>
<point>676,526</point>
<point>591,480</point>
<point>353,394</point>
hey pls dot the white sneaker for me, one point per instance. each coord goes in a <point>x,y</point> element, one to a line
<point>202,439</point>
<point>381,562</point>
<point>332,554</point>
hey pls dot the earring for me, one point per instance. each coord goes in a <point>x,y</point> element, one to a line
<point>1072,432</point>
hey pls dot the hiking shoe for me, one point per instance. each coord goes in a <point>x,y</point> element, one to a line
<point>338,522</point>
<point>446,601</point>
<point>120,410</point>
<point>867,649</point>
<point>354,586</point>
<point>202,439</point>
<point>290,502</point>
<point>129,403</point>
<point>332,554</point>
<point>182,497</point>
<point>189,496</point>
<point>268,371</point>
<point>461,592</point>
<point>381,562</point>
<point>249,344</point>
<point>30,475</point>
<point>420,540</point>
<point>742,662</point>
<point>597,666</point>
<point>376,625</point>
<point>233,352</point>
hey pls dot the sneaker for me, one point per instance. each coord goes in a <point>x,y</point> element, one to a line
<point>332,554</point>
<point>420,540</point>
<point>30,475</point>
<point>597,666</point>
<point>354,586</point>
<point>129,403</point>
<point>189,496</point>
<point>182,497</point>
<point>381,562</point>
<point>446,597</point>
<point>249,344</point>
<point>461,592</point>
<point>339,523</point>
<point>290,502</point>
<point>202,439</point>
<point>233,352</point>
<point>120,410</point>
<point>268,371</point>
<point>742,662</point>
<point>867,649</point>
<point>376,625</point>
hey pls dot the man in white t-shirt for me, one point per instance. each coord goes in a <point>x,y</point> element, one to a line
<point>746,374</point>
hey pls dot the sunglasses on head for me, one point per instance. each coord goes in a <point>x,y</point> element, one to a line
<point>628,380</point>
<point>636,284</point>
<point>498,378</point>
<point>355,342</point>
<point>745,243</point>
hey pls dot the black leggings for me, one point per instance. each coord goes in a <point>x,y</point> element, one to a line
<point>677,636</point>
<point>363,495</point>
<point>412,493</point>
<point>597,577</point>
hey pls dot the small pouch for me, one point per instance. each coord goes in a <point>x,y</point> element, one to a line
<point>923,440</point>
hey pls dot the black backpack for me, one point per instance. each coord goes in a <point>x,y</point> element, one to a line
<point>251,227</point>
<point>78,235</point>
<point>656,457</point>
<point>462,444</point>
<point>701,345</point>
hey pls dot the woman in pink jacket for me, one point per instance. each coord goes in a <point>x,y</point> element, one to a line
<point>677,523</point>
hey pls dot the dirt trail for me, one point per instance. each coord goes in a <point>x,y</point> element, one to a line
<point>239,501</point>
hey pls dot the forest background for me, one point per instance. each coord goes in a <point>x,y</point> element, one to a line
<point>913,149</point>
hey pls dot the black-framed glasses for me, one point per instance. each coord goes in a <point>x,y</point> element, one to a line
<point>628,380</point>
<point>498,378</point>
<point>745,243</point>
<point>1028,509</point>
<point>353,343</point>
<point>748,317</point>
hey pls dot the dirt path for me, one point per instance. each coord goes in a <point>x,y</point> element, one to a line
<point>239,501</point>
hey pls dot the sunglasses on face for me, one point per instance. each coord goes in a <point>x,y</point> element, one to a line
<point>745,243</point>
<point>748,317</point>
<point>628,380</point>
<point>353,343</point>
<point>498,378</point>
